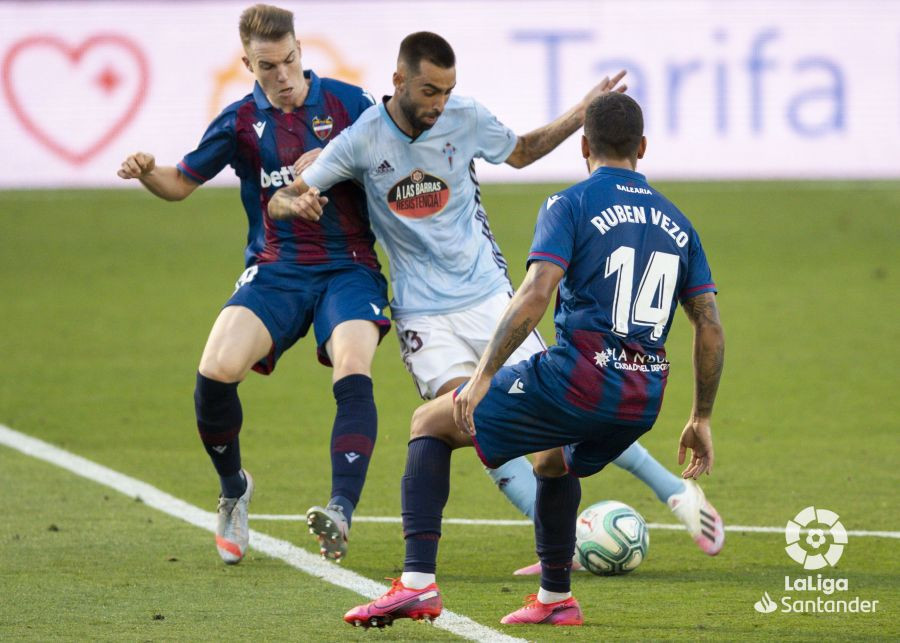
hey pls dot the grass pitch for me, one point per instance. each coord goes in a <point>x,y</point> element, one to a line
<point>109,296</point>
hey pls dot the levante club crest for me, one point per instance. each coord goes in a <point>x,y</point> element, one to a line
<point>322,126</point>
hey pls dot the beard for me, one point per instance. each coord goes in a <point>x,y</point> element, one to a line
<point>412,117</point>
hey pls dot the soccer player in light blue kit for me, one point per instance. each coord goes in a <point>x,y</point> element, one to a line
<point>414,153</point>
<point>619,256</point>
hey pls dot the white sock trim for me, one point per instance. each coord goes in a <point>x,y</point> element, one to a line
<point>416,580</point>
<point>551,597</point>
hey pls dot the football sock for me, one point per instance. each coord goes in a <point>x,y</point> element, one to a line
<point>219,419</point>
<point>346,506</point>
<point>638,461</point>
<point>555,511</point>
<point>352,439</point>
<point>424,490</point>
<point>516,480</point>
<point>233,486</point>
<point>552,597</point>
<point>416,580</point>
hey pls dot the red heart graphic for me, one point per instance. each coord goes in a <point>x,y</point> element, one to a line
<point>75,55</point>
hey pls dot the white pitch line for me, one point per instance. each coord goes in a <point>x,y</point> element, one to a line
<point>750,529</point>
<point>291,554</point>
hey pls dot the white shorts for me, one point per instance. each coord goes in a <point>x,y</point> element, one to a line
<point>439,348</point>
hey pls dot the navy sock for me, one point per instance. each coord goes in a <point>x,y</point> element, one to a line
<point>233,486</point>
<point>352,440</point>
<point>346,506</point>
<point>424,491</point>
<point>556,509</point>
<point>219,419</point>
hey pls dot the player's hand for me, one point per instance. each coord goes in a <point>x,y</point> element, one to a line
<point>305,160</point>
<point>309,205</point>
<point>697,436</point>
<point>137,165</point>
<point>606,86</point>
<point>469,398</point>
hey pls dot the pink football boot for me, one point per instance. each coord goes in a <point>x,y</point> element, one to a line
<point>567,612</point>
<point>398,602</point>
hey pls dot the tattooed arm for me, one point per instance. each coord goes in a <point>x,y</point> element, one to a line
<point>709,359</point>
<point>537,144</point>
<point>521,316</point>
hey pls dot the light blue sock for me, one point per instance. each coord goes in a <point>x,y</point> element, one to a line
<point>516,480</point>
<point>637,461</point>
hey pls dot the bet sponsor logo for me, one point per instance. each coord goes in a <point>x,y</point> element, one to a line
<point>277,178</point>
<point>418,195</point>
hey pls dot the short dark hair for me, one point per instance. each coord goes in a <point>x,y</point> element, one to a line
<point>614,125</point>
<point>424,45</point>
<point>265,22</point>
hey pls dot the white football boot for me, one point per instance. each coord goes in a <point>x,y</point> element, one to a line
<point>232,531</point>
<point>330,527</point>
<point>702,520</point>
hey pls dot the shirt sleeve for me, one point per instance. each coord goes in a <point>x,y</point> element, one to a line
<point>494,140</point>
<point>699,278</point>
<point>337,162</point>
<point>215,151</point>
<point>366,100</point>
<point>554,233</point>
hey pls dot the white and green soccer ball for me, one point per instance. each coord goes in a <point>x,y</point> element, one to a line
<point>611,538</point>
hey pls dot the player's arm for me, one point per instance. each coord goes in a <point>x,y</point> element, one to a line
<point>537,144</point>
<point>297,200</point>
<point>521,316</point>
<point>165,182</point>
<point>709,359</point>
<point>335,163</point>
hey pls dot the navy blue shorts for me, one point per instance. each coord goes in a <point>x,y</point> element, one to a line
<point>523,413</point>
<point>290,297</point>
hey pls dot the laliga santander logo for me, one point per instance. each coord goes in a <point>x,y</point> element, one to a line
<point>765,605</point>
<point>822,593</point>
<point>816,538</point>
<point>74,99</point>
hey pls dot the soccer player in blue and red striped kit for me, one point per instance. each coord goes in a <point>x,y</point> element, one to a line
<point>620,256</point>
<point>298,273</point>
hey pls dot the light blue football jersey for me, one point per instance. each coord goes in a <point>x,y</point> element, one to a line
<point>425,202</point>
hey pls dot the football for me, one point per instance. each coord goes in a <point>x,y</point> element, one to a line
<point>611,538</point>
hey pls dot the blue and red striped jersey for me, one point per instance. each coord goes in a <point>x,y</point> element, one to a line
<point>629,256</point>
<point>261,143</point>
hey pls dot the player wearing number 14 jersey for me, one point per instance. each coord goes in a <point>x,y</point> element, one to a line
<point>613,316</point>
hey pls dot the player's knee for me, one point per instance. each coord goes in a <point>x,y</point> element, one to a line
<point>352,365</point>
<point>549,465</point>
<point>418,427</point>
<point>549,470</point>
<point>427,422</point>
<point>222,368</point>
